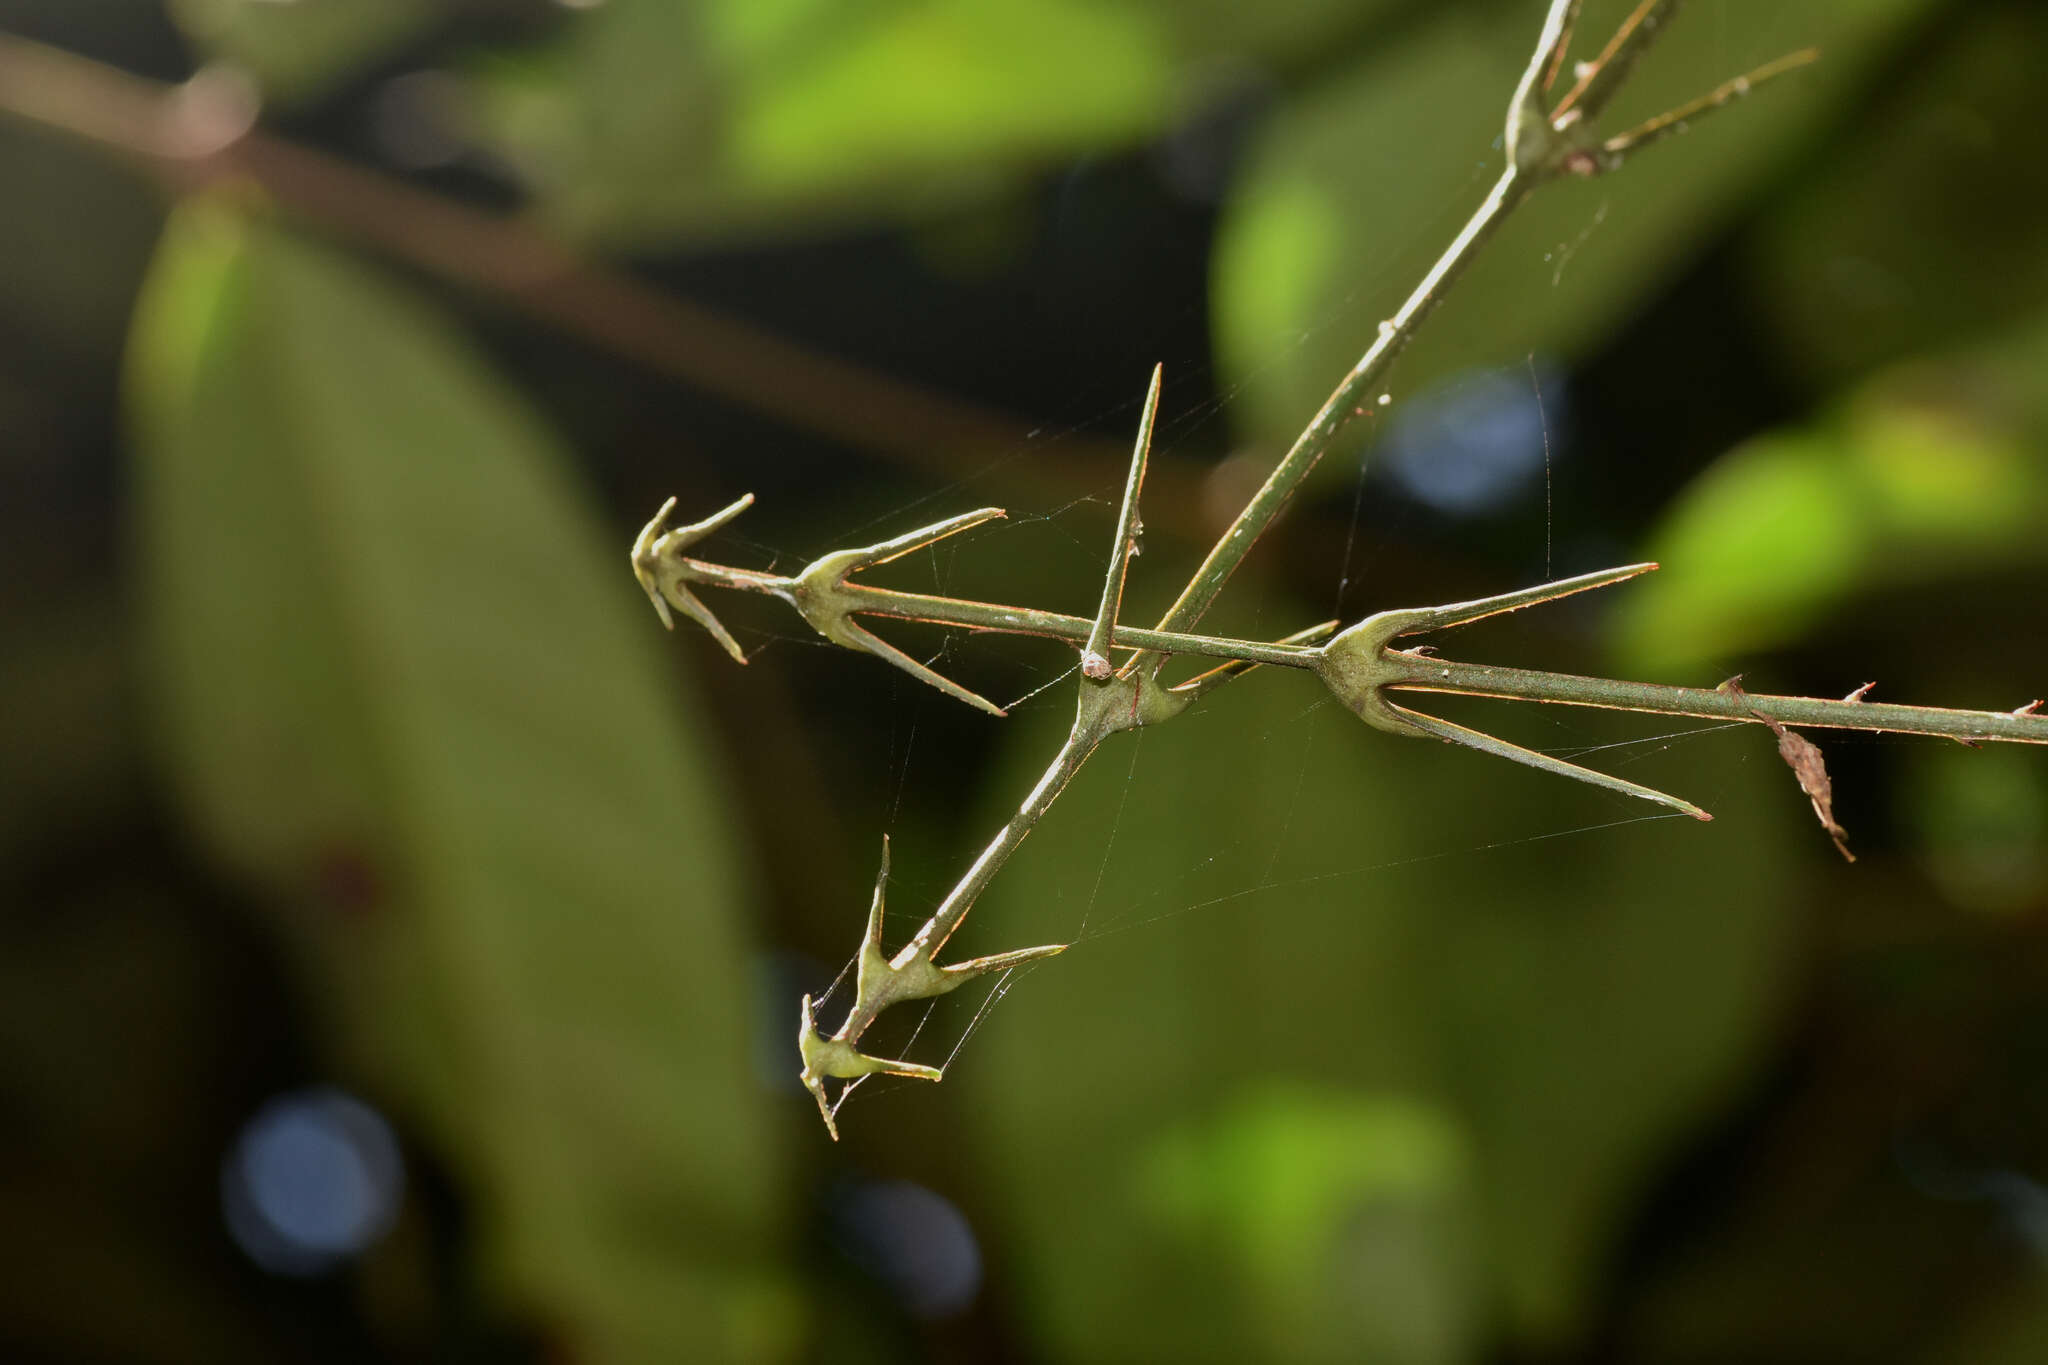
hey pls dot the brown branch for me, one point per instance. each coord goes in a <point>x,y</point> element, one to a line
<point>196,135</point>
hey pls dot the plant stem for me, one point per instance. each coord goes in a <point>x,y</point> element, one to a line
<point>514,265</point>
<point>1101,713</point>
<point>1431,674</point>
<point>1348,400</point>
<point>1073,752</point>
<point>911,606</point>
<point>864,599</point>
<point>1415,673</point>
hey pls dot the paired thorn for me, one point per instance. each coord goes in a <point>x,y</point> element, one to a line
<point>820,593</point>
<point>1598,79</point>
<point>826,600</point>
<point>1095,653</point>
<point>880,982</point>
<point>1391,625</point>
<point>1560,44</point>
<point>823,1057</point>
<point>1528,126</point>
<point>913,974</point>
<point>1416,723</point>
<point>1562,140</point>
<point>1679,119</point>
<point>898,546</point>
<point>1360,664</point>
<point>658,562</point>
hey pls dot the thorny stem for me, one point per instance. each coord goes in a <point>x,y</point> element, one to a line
<point>1423,673</point>
<point>939,928</point>
<point>997,618</point>
<point>1088,732</point>
<point>1360,666</point>
<point>913,972</point>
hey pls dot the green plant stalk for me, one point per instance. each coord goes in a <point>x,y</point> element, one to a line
<point>1420,673</point>
<point>1427,673</point>
<point>1095,720</point>
<point>863,599</point>
<point>1407,671</point>
<point>1347,401</point>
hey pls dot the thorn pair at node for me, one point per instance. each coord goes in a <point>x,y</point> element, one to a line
<point>659,564</point>
<point>1360,665</point>
<point>827,600</point>
<point>880,982</point>
<point>821,592</point>
<point>1095,663</point>
<point>1561,139</point>
<point>831,1057</point>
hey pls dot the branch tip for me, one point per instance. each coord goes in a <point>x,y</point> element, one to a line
<point>1678,120</point>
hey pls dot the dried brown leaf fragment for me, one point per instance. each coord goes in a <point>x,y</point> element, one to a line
<point>1802,756</point>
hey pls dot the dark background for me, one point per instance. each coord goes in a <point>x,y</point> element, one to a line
<point>402,937</point>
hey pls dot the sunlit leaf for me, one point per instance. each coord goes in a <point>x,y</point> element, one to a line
<point>648,119</point>
<point>1277,891</point>
<point>405,687</point>
<point>1399,148</point>
<point>655,116</point>
<point>1931,472</point>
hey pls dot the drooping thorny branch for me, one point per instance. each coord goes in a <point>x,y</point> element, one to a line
<point>1361,665</point>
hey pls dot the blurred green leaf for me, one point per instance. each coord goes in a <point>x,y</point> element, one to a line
<point>1982,819</point>
<point>405,685</point>
<point>647,118</point>
<point>1342,1220</point>
<point>1371,917</point>
<point>1931,471</point>
<point>1230,34</point>
<point>1928,224</point>
<point>654,116</point>
<point>1350,194</point>
<point>299,49</point>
